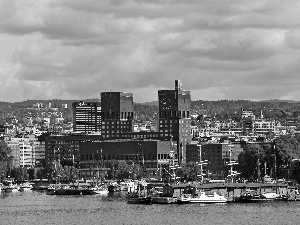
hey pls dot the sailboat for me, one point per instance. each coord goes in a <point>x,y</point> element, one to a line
<point>140,195</point>
<point>98,189</point>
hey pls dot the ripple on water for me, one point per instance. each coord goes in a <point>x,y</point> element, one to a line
<point>39,208</point>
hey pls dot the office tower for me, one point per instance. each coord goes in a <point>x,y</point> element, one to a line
<point>86,117</point>
<point>116,113</point>
<point>174,118</point>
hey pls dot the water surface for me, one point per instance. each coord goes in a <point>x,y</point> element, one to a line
<point>35,207</point>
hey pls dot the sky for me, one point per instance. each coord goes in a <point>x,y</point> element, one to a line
<point>219,49</point>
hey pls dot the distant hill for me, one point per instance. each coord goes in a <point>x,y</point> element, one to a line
<point>54,102</point>
<point>5,104</point>
<point>278,100</point>
<point>153,103</point>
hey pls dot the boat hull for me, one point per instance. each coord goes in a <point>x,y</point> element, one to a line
<point>164,200</point>
<point>207,201</point>
<point>68,192</point>
<point>140,200</point>
<point>202,197</point>
<point>10,189</point>
<point>113,188</point>
<point>94,192</point>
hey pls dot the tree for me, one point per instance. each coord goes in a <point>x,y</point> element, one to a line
<point>122,171</point>
<point>44,172</point>
<point>31,173</point>
<point>189,171</point>
<point>68,174</point>
<point>6,159</point>
<point>20,174</point>
<point>248,161</point>
<point>287,148</point>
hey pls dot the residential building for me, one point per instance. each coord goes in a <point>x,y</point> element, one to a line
<point>263,127</point>
<point>27,151</point>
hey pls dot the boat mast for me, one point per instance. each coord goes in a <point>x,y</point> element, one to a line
<point>97,168</point>
<point>258,173</point>
<point>275,170</point>
<point>101,168</point>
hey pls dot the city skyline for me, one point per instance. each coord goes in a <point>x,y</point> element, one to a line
<point>72,49</point>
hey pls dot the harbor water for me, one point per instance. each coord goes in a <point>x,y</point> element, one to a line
<point>35,207</point>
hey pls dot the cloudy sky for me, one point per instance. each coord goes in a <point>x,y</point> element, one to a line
<point>219,49</point>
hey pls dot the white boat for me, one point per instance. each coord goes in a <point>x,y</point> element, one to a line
<point>25,187</point>
<point>208,197</point>
<point>271,196</point>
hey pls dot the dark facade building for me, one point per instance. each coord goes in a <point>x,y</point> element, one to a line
<point>86,117</point>
<point>65,148</point>
<point>152,155</point>
<point>174,118</point>
<point>116,113</point>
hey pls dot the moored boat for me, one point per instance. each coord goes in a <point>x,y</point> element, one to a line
<point>255,196</point>
<point>95,191</point>
<point>140,196</point>
<point>131,199</point>
<point>10,189</point>
<point>163,195</point>
<point>113,188</point>
<point>25,187</point>
<point>208,197</point>
<point>67,190</point>
<point>40,185</point>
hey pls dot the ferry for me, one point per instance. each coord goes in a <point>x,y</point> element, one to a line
<point>208,197</point>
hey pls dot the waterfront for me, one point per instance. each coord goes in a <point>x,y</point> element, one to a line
<point>35,207</point>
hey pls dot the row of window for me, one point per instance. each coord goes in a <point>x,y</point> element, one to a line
<point>119,157</point>
<point>130,136</point>
<point>115,122</point>
<point>126,157</point>
<point>174,114</point>
<point>117,115</point>
<point>115,127</point>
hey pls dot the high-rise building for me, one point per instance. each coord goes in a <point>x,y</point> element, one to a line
<point>174,118</point>
<point>86,117</point>
<point>116,113</point>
